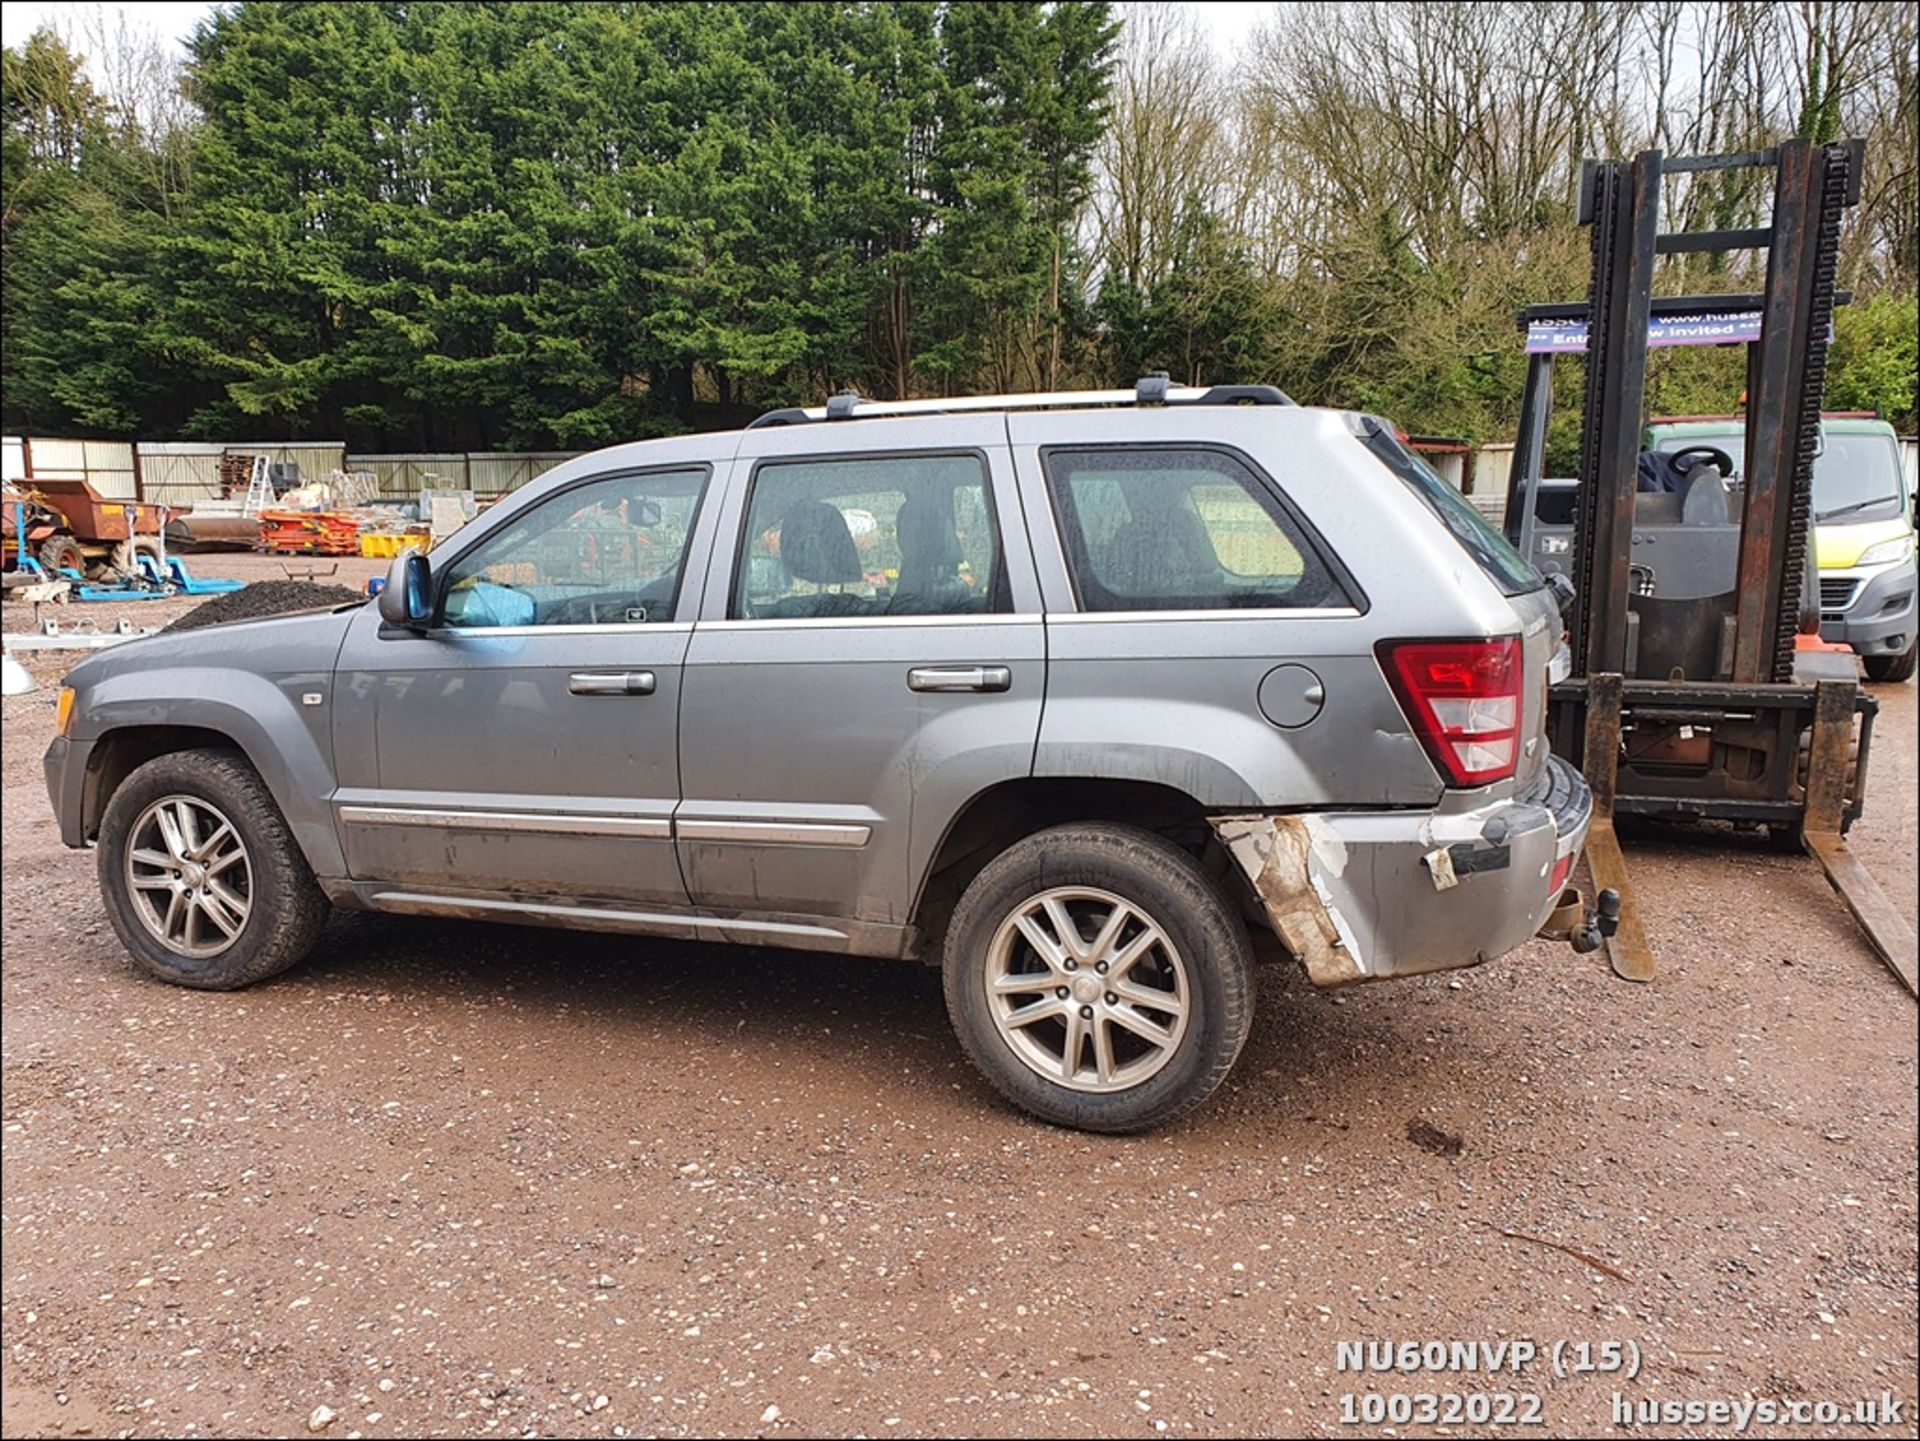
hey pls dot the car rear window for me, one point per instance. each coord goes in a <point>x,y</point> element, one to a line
<point>1491,551</point>
<point>1177,528</point>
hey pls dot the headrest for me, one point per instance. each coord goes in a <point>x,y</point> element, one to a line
<point>925,529</point>
<point>816,545</point>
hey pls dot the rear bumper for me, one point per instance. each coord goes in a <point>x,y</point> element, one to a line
<point>1880,615</point>
<point>1363,896</point>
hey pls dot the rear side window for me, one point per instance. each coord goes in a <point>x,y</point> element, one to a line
<point>1167,529</point>
<point>869,538</point>
<point>1490,550</point>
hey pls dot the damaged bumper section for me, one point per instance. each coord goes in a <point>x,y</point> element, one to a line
<point>1362,896</point>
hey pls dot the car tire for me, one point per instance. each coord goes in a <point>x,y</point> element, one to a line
<point>1159,964</point>
<point>1892,669</point>
<point>187,910</point>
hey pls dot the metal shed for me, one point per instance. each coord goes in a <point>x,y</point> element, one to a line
<point>179,472</point>
<point>106,465</point>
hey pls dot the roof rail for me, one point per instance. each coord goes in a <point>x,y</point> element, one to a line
<point>1151,389</point>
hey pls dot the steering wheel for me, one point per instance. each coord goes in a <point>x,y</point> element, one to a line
<point>1678,458</point>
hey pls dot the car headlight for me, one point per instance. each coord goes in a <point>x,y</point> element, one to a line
<point>1899,548</point>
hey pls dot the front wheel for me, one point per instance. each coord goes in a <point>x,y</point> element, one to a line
<point>1098,979</point>
<point>204,883</point>
<point>1892,669</point>
<point>63,553</point>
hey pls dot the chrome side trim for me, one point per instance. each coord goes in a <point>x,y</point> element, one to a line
<point>647,827</point>
<point>426,903</point>
<point>775,833</point>
<point>1100,617</point>
<point>485,632</point>
<point>864,622</point>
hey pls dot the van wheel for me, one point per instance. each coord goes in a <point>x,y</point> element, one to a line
<point>203,881</point>
<point>1098,978</point>
<point>1892,669</point>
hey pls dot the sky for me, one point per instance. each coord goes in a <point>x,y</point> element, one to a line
<point>1227,23</point>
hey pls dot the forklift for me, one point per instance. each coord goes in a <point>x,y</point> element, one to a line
<point>1699,687</point>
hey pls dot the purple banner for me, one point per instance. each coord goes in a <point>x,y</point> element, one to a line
<point>1734,327</point>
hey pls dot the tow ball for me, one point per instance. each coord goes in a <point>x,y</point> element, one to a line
<point>1600,922</point>
<point>1580,926</point>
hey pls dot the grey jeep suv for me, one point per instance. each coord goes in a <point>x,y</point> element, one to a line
<point>1067,694</point>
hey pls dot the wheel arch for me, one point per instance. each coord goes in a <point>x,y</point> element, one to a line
<point>1000,814</point>
<point>290,765</point>
<point>119,753</point>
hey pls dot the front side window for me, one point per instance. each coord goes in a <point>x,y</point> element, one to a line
<point>1152,529</point>
<point>869,538</point>
<point>609,552</point>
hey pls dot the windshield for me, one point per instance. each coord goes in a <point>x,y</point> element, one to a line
<point>1855,474</point>
<point>1504,565</point>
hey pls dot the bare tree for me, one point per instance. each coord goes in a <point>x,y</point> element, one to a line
<point>141,75</point>
<point>1163,144</point>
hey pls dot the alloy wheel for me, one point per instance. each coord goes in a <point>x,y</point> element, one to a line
<point>1087,989</point>
<point>189,876</point>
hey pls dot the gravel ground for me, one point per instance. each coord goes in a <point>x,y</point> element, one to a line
<point>454,1179</point>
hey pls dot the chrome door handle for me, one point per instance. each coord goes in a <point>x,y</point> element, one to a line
<point>959,677</point>
<point>611,682</point>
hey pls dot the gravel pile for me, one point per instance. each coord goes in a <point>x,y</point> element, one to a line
<point>266,597</point>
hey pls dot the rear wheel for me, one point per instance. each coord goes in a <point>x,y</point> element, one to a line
<point>1099,979</point>
<point>1892,669</point>
<point>204,883</point>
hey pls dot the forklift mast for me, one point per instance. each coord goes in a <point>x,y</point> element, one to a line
<point>1763,734</point>
<point>1786,374</point>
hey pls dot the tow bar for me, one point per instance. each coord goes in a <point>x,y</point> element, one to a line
<point>1600,923</point>
<point>1584,929</point>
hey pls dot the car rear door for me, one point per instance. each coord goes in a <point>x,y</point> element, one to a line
<point>869,655</point>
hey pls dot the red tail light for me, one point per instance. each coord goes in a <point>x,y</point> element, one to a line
<point>1562,868</point>
<point>1464,699</point>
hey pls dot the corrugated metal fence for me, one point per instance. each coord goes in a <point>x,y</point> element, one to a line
<point>482,472</point>
<point>179,472</point>
<point>106,465</point>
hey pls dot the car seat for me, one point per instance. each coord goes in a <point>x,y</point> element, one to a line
<point>930,555</point>
<point>1159,556</point>
<point>816,546</point>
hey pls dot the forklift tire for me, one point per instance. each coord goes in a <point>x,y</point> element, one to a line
<point>1892,669</point>
<point>126,555</point>
<point>63,552</point>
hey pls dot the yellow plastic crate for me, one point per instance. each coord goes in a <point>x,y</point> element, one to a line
<point>387,544</point>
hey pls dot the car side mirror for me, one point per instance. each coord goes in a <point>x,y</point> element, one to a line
<point>406,600</point>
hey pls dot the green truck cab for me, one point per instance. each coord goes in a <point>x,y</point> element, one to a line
<point>1864,531</point>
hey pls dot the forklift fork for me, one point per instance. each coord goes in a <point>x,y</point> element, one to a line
<point>1829,765</point>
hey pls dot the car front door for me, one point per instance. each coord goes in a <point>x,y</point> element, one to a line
<point>525,744</point>
<point>870,654</point>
